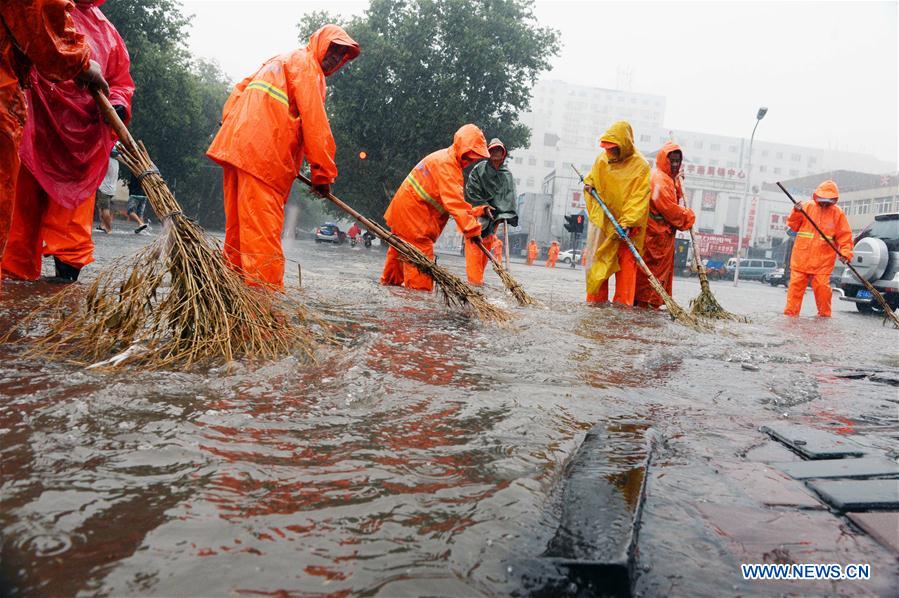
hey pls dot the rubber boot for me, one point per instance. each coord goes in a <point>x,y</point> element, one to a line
<point>65,274</point>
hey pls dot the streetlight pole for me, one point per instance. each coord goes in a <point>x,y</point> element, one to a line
<point>740,225</point>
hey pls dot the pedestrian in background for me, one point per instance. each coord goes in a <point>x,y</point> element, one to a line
<point>106,192</point>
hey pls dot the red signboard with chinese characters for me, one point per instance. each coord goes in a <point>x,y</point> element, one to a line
<point>750,225</point>
<point>777,223</point>
<point>710,245</point>
<point>715,171</point>
<point>709,201</point>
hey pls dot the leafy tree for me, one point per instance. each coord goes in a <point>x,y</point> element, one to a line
<point>177,101</point>
<point>427,67</point>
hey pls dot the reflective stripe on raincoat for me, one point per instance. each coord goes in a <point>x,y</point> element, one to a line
<point>65,143</point>
<point>623,185</point>
<point>811,253</point>
<point>276,117</point>
<point>433,191</point>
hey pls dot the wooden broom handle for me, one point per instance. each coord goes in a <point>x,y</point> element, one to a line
<point>113,119</point>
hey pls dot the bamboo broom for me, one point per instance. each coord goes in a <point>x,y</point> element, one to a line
<point>176,301</point>
<point>676,312</point>
<point>705,304</point>
<point>454,291</point>
<point>517,291</point>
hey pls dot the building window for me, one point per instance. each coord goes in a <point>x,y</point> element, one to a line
<point>697,144</point>
<point>848,208</point>
<point>733,149</point>
<point>731,230</point>
<point>716,147</point>
<point>731,164</point>
<point>713,162</point>
<point>764,153</point>
<point>776,170</point>
<point>530,182</point>
<point>779,155</point>
<point>882,205</point>
<point>796,157</point>
<point>864,206</point>
<point>518,182</point>
<point>549,163</point>
<point>519,160</point>
<point>763,168</point>
<point>532,161</point>
<point>646,138</point>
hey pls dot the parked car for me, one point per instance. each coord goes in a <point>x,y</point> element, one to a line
<point>777,277</point>
<point>751,269</point>
<point>876,258</point>
<point>329,233</point>
<point>565,256</point>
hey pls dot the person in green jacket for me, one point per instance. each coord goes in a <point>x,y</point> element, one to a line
<point>490,184</point>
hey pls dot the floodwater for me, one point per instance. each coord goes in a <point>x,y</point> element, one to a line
<point>427,454</point>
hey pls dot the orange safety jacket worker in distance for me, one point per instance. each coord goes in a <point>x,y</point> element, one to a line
<point>666,217</point>
<point>430,194</point>
<point>813,258</point>
<point>532,252</point>
<point>38,33</point>
<point>553,255</point>
<point>272,121</point>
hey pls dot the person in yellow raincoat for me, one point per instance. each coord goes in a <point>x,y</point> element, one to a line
<point>620,177</point>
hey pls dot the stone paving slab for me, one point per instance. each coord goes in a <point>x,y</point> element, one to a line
<point>812,443</point>
<point>768,486</point>
<point>868,467</point>
<point>883,527</point>
<point>858,495</point>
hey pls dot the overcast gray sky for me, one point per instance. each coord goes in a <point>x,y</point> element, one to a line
<point>828,71</point>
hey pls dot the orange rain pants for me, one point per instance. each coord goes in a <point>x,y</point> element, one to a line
<point>476,261</point>
<point>254,218</point>
<point>45,32</point>
<point>40,227</point>
<point>532,253</point>
<point>625,280</point>
<point>796,292</point>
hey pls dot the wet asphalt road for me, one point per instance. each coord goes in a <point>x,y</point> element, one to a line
<point>426,454</point>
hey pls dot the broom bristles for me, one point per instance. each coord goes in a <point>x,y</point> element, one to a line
<point>177,300</point>
<point>517,291</point>
<point>706,305</point>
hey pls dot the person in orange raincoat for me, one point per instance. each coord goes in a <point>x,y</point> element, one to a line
<point>532,252</point>
<point>429,195</point>
<point>39,34</point>
<point>666,217</point>
<point>813,258</point>
<point>65,155</point>
<point>620,176</point>
<point>497,249</point>
<point>272,121</point>
<point>553,254</point>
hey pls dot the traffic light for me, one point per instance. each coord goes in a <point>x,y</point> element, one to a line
<point>574,223</point>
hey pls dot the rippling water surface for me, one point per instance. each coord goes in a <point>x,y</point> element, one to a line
<point>425,454</point>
